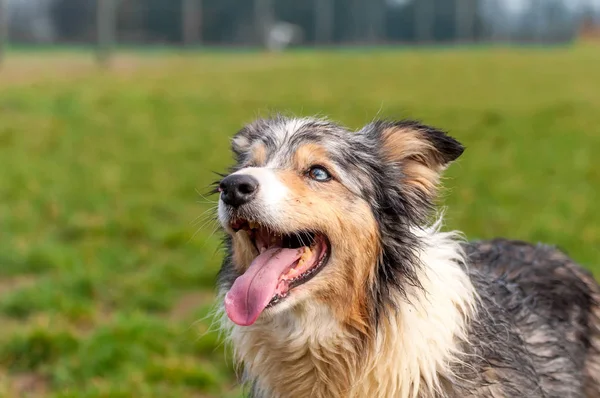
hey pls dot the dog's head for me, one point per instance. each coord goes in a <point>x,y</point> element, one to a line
<point>315,213</point>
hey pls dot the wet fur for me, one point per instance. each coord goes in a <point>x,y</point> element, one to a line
<point>403,309</point>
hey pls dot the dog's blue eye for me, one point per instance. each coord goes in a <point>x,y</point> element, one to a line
<point>318,173</point>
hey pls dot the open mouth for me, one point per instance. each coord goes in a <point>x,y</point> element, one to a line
<point>283,261</point>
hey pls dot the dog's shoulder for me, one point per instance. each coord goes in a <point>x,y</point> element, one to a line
<point>543,295</point>
<point>543,275</point>
<point>531,266</point>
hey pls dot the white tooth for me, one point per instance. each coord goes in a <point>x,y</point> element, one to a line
<point>263,249</point>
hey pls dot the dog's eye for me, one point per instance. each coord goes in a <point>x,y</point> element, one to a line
<point>319,173</point>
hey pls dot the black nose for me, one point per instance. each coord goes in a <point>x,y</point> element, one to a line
<point>238,189</point>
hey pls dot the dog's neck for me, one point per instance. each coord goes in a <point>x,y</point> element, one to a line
<point>307,352</point>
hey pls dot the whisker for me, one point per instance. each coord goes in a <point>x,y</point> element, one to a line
<point>215,229</point>
<point>205,222</point>
<point>194,234</point>
<point>214,225</point>
<point>204,196</point>
<point>209,222</point>
<point>209,210</point>
<point>204,213</point>
<point>222,175</point>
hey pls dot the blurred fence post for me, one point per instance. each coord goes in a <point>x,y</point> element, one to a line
<point>3,29</point>
<point>324,16</point>
<point>192,22</point>
<point>359,20</point>
<point>539,20</point>
<point>264,16</point>
<point>465,13</point>
<point>376,21</point>
<point>106,30</point>
<point>424,20</point>
<point>493,20</point>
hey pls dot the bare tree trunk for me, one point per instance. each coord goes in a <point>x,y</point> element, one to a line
<point>358,21</point>
<point>539,22</point>
<point>424,20</point>
<point>466,11</point>
<point>324,16</point>
<point>106,30</point>
<point>3,29</point>
<point>264,17</point>
<point>493,21</point>
<point>376,20</point>
<point>191,16</point>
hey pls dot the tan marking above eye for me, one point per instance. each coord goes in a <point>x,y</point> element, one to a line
<point>308,155</point>
<point>313,155</point>
<point>258,154</point>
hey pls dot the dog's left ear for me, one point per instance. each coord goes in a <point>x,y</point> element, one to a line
<point>420,151</point>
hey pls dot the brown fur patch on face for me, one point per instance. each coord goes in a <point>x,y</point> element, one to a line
<point>350,226</point>
<point>309,155</point>
<point>420,159</point>
<point>258,154</point>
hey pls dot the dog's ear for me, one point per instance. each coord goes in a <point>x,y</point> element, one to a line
<point>243,141</point>
<point>421,152</point>
<point>240,144</point>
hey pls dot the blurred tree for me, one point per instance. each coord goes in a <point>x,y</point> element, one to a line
<point>301,13</point>
<point>192,22</point>
<point>425,15</point>
<point>547,21</point>
<point>400,22</point>
<point>324,20</point>
<point>466,14</point>
<point>376,21</point>
<point>163,20</point>
<point>74,20</point>
<point>29,21</point>
<point>106,29</point>
<point>131,21</point>
<point>439,18</point>
<point>223,22</point>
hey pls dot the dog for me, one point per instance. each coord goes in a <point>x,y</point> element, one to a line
<point>339,281</point>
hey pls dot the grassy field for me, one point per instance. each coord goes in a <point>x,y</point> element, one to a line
<point>107,256</point>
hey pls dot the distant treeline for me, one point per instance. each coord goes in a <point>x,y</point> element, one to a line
<point>235,22</point>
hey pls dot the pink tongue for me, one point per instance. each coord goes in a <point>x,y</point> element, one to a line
<point>253,291</point>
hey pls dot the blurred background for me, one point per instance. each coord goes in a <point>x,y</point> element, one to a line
<point>115,114</point>
<point>280,23</point>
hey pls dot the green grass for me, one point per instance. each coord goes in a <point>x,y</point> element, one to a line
<point>106,279</point>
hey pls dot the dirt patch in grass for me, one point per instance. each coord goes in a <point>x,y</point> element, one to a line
<point>10,284</point>
<point>190,302</point>
<point>23,385</point>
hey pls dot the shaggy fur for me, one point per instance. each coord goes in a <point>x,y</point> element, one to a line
<point>400,309</point>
